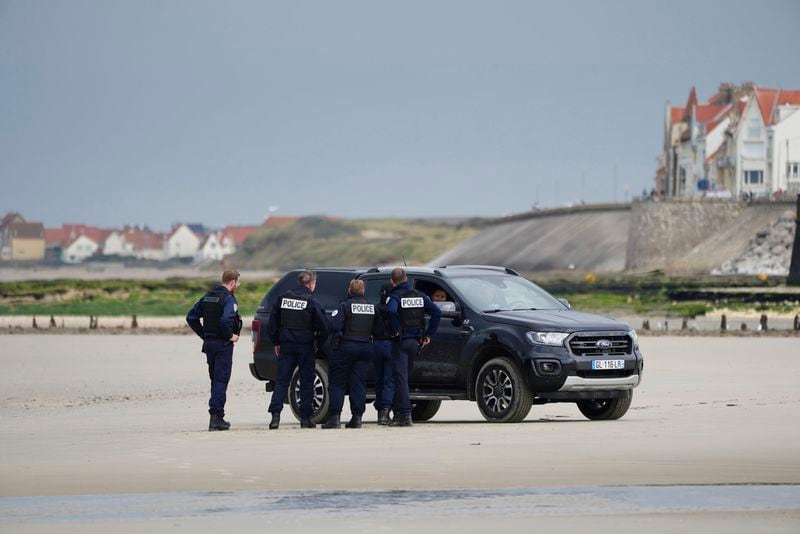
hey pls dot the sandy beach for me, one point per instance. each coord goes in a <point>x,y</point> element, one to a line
<point>115,415</point>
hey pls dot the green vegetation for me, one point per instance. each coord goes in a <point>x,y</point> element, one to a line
<point>117,297</point>
<point>656,294</point>
<point>614,295</point>
<point>320,241</point>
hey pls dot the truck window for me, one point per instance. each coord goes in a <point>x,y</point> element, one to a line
<point>332,288</point>
<point>374,288</point>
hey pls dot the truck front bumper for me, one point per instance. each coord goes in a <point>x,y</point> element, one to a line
<point>577,383</point>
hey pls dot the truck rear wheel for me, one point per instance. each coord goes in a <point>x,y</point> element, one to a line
<point>606,409</point>
<point>321,399</point>
<point>501,392</point>
<point>424,410</point>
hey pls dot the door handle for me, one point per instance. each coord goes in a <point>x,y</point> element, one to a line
<point>467,331</point>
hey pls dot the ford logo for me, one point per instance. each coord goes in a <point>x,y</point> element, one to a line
<point>604,344</point>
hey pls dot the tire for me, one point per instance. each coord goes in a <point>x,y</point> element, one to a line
<point>424,410</point>
<point>322,398</point>
<point>606,409</point>
<point>501,392</point>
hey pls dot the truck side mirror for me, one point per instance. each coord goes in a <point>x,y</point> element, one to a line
<point>449,310</point>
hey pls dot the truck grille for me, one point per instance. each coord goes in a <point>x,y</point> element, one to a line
<point>586,345</point>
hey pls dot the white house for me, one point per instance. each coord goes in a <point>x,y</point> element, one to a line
<point>115,245</point>
<point>751,150</point>
<point>211,249</point>
<point>182,242</point>
<point>744,140</point>
<point>79,249</point>
<point>784,148</point>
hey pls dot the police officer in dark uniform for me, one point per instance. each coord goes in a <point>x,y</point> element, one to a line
<point>295,319</point>
<point>352,323</point>
<point>382,362</point>
<point>219,329</point>
<point>406,309</point>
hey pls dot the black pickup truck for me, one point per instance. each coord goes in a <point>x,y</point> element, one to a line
<point>503,342</point>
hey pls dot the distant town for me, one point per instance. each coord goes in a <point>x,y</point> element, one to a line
<point>743,142</point>
<point>22,241</point>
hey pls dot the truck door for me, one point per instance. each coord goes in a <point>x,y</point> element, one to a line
<point>438,363</point>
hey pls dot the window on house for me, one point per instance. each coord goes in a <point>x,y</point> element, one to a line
<point>793,170</point>
<point>754,129</point>
<point>754,177</point>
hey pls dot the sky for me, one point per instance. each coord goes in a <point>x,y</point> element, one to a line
<point>154,112</point>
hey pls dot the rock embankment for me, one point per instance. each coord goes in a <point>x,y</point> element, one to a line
<point>768,252</point>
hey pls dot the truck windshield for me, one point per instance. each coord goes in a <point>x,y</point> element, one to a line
<point>499,292</point>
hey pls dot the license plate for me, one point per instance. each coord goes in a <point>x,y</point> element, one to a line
<point>608,364</point>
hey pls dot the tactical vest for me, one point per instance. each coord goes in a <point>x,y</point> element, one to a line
<point>412,310</point>
<point>297,312</point>
<point>211,308</point>
<point>359,318</point>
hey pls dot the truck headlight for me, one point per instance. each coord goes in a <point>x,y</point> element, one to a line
<point>546,338</point>
<point>634,337</point>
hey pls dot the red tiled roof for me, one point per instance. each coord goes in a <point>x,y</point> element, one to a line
<point>705,113</point>
<point>676,115</point>
<point>239,233</point>
<point>94,233</point>
<point>55,236</point>
<point>144,240</point>
<point>769,99</point>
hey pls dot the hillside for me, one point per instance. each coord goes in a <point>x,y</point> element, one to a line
<point>320,241</point>
<point>586,240</point>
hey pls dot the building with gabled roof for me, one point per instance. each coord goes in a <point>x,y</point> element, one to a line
<point>21,240</point>
<point>79,249</point>
<point>743,140</point>
<point>182,242</point>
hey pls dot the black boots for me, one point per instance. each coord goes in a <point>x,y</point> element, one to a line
<point>275,422</point>
<point>355,422</point>
<point>333,421</point>
<point>401,420</point>
<point>306,423</point>
<point>383,416</point>
<point>216,422</point>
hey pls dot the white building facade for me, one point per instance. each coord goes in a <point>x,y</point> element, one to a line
<point>79,249</point>
<point>181,243</point>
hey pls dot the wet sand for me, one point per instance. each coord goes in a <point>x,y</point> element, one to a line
<point>122,414</point>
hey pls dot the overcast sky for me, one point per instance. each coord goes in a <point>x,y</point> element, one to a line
<point>138,111</point>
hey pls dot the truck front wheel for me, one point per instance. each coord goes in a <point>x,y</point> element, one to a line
<point>501,392</point>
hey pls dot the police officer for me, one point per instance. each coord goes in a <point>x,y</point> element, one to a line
<point>352,322</point>
<point>406,309</point>
<point>295,319</point>
<point>219,329</point>
<point>382,362</point>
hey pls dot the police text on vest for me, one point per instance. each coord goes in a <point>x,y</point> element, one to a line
<point>292,304</point>
<point>412,302</point>
<point>364,309</point>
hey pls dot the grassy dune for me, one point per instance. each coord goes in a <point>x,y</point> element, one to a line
<point>319,241</point>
